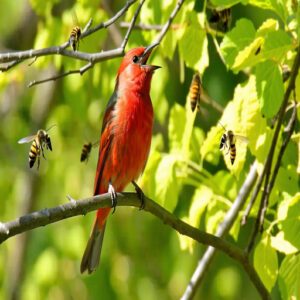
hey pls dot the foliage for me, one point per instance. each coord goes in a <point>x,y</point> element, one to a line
<point>241,69</point>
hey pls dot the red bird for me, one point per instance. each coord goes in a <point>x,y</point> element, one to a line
<point>125,141</point>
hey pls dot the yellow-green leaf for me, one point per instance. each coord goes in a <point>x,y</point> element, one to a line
<point>269,87</point>
<point>266,262</point>
<point>289,277</point>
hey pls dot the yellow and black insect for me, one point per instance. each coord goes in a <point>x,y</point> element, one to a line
<point>75,37</point>
<point>86,151</point>
<point>39,140</point>
<point>222,19</point>
<point>195,92</point>
<point>228,141</point>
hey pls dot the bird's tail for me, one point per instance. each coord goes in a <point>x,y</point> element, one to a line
<point>91,256</point>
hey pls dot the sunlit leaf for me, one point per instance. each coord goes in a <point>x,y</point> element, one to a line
<point>201,198</point>
<point>267,26</point>
<point>192,44</point>
<point>269,87</point>
<point>289,277</point>
<point>266,262</point>
<point>167,186</point>
<point>225,3</point>
<point>248,56</point>
<point>291,224</point>
<point>276,45</point>
<point>176,127</point>
<point>236,40</point>
<point>215,214</point>
<point>279,243</point>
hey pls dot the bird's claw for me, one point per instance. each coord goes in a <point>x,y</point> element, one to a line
<point>113,196</point>
<point>140,194</point>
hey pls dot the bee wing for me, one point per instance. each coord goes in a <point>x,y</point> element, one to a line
<point>27,139</point>
<point>241,138</point>
<point>95,144</point>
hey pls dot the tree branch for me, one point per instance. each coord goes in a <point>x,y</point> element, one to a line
<point>169,22</point>
<point>60,50</point>
<point>81,207</point>
<point>223,229</point>
<point>89,65</point>
<point>268,165</point>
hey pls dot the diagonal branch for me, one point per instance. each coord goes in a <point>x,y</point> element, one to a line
<point>268,165</point>
<point>81,207</point>
<point>169,22</point>
<point>223,229</point>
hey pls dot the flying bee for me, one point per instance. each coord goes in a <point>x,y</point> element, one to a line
<point>222,19</point>
<point>228,141</point>
<point>86,151</point>
<point>39,140</point>
<point>195,92</point>
<point>75,37</point>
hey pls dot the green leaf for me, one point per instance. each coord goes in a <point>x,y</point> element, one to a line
<point>200,200</point>
<point>176,127</point>
<point>167,186</point>
<point>215,214</point>
<point>289,277</point>
<point>291,224</point>
<point>269,88</point>
<point>264,4</point>
<point>147,180</point>
<point>210,147</point>
<point>225,3</point>
<point>248,56</point>
<point>236,40</point>
<point>193,44</point>
<point>279,243</point>
<point>267,26</point>
<point>279,6</point>
<point>276,46</point>
<point>265,262</point>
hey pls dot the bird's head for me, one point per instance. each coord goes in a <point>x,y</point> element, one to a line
<point>134,68</point>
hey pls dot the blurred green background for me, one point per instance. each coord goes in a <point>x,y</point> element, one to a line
<point>141,258</point>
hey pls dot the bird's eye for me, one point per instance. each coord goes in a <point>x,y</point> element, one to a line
<point>135,59</point>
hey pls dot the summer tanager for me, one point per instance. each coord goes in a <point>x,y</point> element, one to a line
<point>125,140</point>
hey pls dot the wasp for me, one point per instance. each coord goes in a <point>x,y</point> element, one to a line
<point>75,37</point>
<point>228,140</point>
<point>222,18</point>
<point>39,140</point>
<point>86,151</point>
<point>195,92</point>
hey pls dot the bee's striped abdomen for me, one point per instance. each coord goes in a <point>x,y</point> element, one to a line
<point>33,153</point>
<point>232,153</point>
<point>195,91</point>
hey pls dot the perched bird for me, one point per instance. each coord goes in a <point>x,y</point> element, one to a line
<point>125,141</point>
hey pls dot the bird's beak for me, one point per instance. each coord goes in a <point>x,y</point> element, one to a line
<point>146,55</point>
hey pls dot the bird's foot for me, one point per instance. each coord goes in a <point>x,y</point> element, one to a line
<point>113,196</point>
<point>140,194</point>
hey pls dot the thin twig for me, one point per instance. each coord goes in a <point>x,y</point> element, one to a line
<point>268,165</point>
<point>81,207</point>
<point>148,27</point>
<point>290,128</point>
<point>9,65</point>
<point>213,103</point>
<point>60,50</point>
<point>132,23</point>
<point>112,20</point>
<point>53,78</point>
<point>223,229</point>
<point>89,65</point>
<point>169,22</point>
